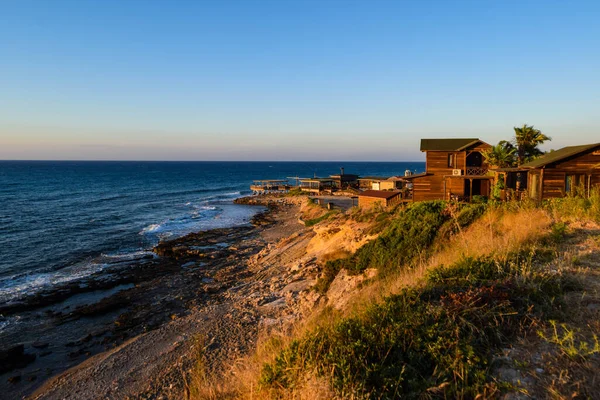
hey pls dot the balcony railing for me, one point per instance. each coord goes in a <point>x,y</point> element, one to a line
<point>476,171</point>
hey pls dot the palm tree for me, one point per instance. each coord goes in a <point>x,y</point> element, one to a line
<point>527,139</point>
<point>501,155</point>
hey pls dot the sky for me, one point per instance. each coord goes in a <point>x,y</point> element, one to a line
<point>291,80</point>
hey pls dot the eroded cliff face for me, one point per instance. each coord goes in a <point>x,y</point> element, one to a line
<point>338,236</point>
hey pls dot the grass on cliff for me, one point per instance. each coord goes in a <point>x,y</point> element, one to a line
<point>475,280</point>
<point>435,340</point>
<point>407,239</point>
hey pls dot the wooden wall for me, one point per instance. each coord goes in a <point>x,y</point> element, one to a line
<point>554,176</point>
<point>431,187</point>
<point>367,202</point>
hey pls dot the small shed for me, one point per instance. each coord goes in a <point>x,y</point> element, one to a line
<point>369,198</point>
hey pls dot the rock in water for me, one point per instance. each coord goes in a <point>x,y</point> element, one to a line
<point>14,357</point>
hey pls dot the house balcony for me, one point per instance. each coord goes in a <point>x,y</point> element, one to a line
<point>476,171</point>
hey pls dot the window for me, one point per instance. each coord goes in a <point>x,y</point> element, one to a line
<point>534,187</point>
<point>451,160</point>
<point>574,183</point>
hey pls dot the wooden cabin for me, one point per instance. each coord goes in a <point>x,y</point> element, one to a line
<point>455,169</point>
<point>369,198</point>
<point>570,170</point>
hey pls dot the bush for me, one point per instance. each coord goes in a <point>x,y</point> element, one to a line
<point>559,231</point>
<point>296,192</point>
<point>323,217</point>
<point>468,214</point>
<point>407,236</point>
<point>577,207</point>
<point>330,271</point>
<point>478,199</point>
<point>434,341</point>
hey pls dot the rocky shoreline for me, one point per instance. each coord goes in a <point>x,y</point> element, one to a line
<point>205,285</point>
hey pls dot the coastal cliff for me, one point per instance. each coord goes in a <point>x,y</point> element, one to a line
<point>442,300</point>
<point>431,298</point>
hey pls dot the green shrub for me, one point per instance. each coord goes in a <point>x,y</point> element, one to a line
<point>407,236</point>
<point>438,339</point>
<point>577,206</point>
<point>330,271</point>
<point>296,192</point>
<point>559,231</point>
<point>468,214</point>
<point>323,217</point>
<point>478,199</point>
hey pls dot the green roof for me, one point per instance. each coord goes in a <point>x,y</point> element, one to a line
<point>559,155</point>
<point>447,144</point>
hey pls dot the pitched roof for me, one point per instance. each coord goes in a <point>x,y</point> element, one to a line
<point>559,155</point>
<point>447,144</point>
<point>380,194</point>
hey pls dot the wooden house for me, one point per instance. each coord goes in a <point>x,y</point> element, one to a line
<point>570,170</point>
<point>454,169</point>
<point>369,198</point>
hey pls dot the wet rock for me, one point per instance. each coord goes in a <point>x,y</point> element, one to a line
<point>14,357</point>
<point>40,345</point>
<point>189,264</point>
<point>14,379</point>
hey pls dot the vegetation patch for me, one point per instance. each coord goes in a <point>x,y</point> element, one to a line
<point>408,235</point>
<point>323,217</point>
<point>436,340</point>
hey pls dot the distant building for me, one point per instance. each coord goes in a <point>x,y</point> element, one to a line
<point>317,185</point>
<point>369,198</point>
<point>344,181</point>
<point>455,169</point>
<point>570,170</point>
<point>381,183</point>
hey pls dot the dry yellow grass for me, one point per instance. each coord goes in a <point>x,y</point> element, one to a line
<point>497,232</point>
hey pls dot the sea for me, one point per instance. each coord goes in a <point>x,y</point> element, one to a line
<point>64,220</point>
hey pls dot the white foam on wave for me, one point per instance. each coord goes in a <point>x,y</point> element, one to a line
<point>129,256</point>
<point>151,228</point>
<point>14,288</point>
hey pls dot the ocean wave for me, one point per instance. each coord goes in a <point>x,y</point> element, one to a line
<point>129,256</point>
<point>151,228</point>
<point>12,288</point>
<point>199,191</point>
<point>222,196</point>
<point>21,285</point>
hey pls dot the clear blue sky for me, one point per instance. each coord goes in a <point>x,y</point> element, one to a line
<point>290,80</point>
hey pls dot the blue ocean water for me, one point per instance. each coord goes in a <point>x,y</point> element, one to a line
<point>64,220</point>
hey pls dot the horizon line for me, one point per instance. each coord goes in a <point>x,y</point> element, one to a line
<point>206,161</point>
